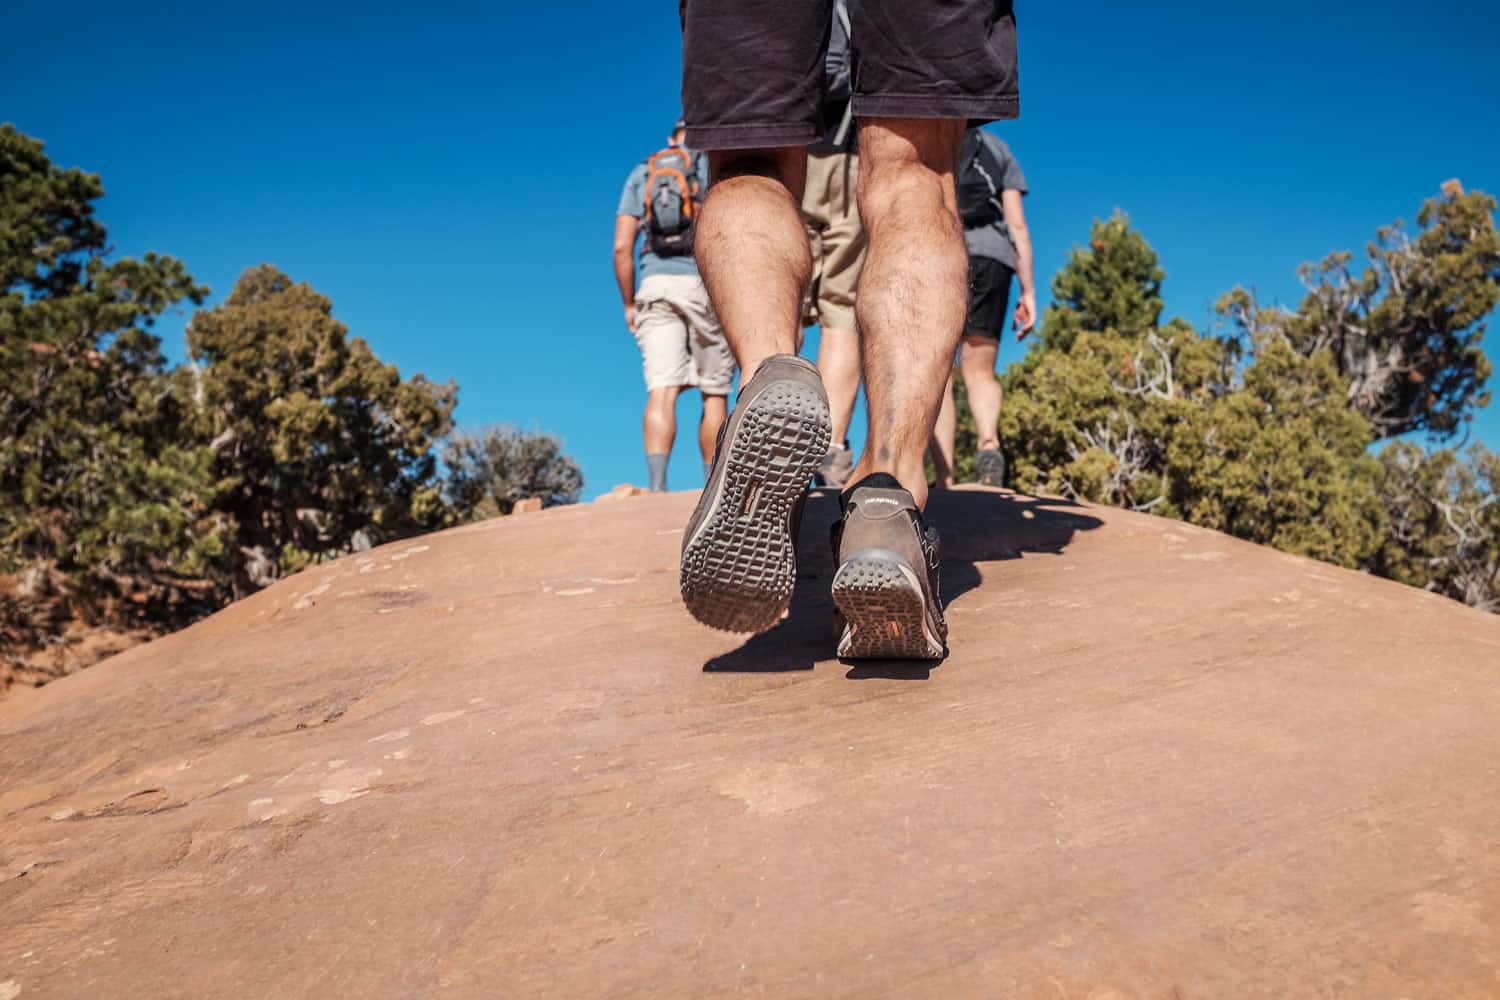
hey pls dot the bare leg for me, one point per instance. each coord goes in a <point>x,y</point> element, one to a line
<point>913,293</point>
<point>838,362</point>
<point>660,425</point>
<point>978,365</point>
<point>943,434</point>
<point>752,250</point>
<point>714,411</point>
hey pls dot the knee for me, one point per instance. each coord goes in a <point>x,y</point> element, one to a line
<point>906,184</point>
<point>977,367</point>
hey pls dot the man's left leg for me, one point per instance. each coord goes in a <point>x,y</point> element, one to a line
<point>752,77</point>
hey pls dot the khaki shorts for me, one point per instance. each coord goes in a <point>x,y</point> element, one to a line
<point>681,341</point>
<point>838,239</point>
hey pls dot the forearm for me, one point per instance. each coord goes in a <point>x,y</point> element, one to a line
<point>625,274</point>
<point>1024,267</point>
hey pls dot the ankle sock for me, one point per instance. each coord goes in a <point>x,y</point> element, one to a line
<point>656,465</point>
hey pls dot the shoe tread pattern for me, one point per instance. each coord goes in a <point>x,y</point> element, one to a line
<point>739,570</point>
<point>883,610</point>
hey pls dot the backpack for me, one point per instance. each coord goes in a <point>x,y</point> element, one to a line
<point>979,175</point>
<point>673,198</point>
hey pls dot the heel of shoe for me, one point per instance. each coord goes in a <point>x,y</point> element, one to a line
<point>885,613</point>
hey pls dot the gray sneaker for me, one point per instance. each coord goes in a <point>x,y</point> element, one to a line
<point>739,552</point>
<point>886,586</point>
<point>835,468</point>
<point>989,467</point>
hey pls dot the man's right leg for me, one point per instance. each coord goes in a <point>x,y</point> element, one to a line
<point>660,430</point>
<point>913,293</point>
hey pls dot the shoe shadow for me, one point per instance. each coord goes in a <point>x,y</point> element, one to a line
<point>977,525</point>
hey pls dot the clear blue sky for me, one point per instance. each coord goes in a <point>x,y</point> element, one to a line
<point>448,174</point>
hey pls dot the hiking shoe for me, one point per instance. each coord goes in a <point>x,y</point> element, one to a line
<point>989,467</point>
<point>739,552</point>
<point>886,585</point>
<point>835,468</point>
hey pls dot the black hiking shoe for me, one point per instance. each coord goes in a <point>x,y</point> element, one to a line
<point>739,552</point>
<point>989,467</point>
<point>886,585</point>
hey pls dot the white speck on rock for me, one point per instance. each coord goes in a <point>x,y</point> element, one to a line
<point>440,717</point>
<point>394,734</point>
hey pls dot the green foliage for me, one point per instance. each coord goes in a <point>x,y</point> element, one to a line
<point>1265,435</point>
<point>489,470</point>
<point>318,446</point>
<point>1406,331</point>
<point>1281,461</point>
<point>100,495</point>
<point>1112,284</point>
<point>1444,515</point>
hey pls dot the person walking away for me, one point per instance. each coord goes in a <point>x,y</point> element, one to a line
<point>752,77</point>
<point>681,341</point>
<point>990,189</point>
<point>831,214</point>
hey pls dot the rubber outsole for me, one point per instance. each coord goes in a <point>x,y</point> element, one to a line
<point>740,566</point>
<point>989,470</point>
<point>885,614</point>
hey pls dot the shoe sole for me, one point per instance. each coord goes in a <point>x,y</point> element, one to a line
<point>885,612</point>
<point>990,474</point>
<point>739,568</point>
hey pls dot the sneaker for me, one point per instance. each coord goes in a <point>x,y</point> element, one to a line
<point>989,467</point>
<point>835,468</point>
<point>886,586</point>
<point>739,552</point>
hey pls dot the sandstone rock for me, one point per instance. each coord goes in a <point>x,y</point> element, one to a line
<point>502,761</point>
<point>621,492</point>
<point>529,505</point>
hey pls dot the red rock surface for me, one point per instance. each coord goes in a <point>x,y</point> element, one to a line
<point>501,761</point>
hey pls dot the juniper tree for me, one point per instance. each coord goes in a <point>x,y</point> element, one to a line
<point>101,491</point>
<point>318,446</point>
<point>489,470</point>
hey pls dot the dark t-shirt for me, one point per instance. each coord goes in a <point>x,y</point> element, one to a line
<point>994,240</point>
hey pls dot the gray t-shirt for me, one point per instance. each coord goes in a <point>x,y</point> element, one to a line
<point>994,240</point>
<point>633,202</point>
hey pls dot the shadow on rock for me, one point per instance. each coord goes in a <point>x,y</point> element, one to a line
<point>977,525</point>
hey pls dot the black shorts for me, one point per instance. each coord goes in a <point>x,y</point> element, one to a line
<point>989,297</point>
<point>752,72</point>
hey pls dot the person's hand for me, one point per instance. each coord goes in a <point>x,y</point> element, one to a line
<point>630,316</point>
<point>1025,315</point>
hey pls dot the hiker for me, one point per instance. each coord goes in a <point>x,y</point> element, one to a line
<point>751,86</point>
<point>682,344</point>
<point>837,241</point>
<point>990,189</point>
